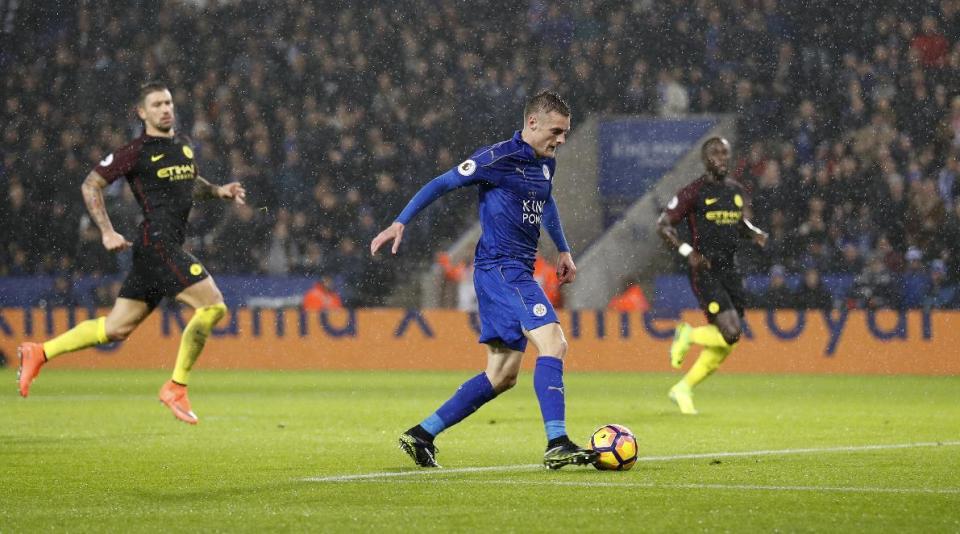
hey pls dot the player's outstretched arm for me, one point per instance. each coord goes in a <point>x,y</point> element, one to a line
<point>92,189</point>
<point>434,189</point>
<point>234,191</point>
<point>393,232</point>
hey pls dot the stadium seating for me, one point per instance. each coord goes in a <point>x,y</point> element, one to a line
<point>848,115</point>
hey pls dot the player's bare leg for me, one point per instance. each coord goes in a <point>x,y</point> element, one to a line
<point>728,322</point>
<point>122,320</point>
<point>548,383</point>
<point>125,317</point>
<point>203,293</point>
<point>207,301</point>
<point>503,366</point>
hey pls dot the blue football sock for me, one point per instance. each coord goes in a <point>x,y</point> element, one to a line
<point>473,394</point>
<point>548,383</point>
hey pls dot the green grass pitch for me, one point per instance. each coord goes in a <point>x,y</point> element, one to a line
<point>92,451</point>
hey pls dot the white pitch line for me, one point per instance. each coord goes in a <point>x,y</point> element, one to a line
<point>394,474</point>
<point>728,454</point>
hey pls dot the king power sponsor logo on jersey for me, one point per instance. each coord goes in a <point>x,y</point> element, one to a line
<point>533,211</point>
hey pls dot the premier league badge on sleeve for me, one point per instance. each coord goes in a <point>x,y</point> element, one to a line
<point>467,167</point>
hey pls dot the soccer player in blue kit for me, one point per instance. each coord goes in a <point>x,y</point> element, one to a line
<point>515,180</point>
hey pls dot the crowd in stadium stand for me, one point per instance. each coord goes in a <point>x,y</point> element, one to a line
<point>332,114</point>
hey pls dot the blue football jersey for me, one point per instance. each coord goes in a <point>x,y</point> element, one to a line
<point>515,189</point>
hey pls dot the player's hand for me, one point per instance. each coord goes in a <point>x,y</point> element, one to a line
<point>234,191</point>
<point>761,239</point>
<point>566,269</point>
<point>114,242</point>
<point>698,261</point>
<point>394,232</point>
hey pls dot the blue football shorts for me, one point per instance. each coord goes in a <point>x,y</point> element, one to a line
<point>510,301</point>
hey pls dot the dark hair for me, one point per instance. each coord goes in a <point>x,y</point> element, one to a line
<point>708,143</point>
<point>545,102</point>
<point>150,87</point>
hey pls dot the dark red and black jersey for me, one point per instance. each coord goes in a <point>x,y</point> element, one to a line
<point>161,173</point>
<point>713,210</point>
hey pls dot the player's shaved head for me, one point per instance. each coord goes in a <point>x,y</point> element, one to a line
<point>148,88</point>
<point>711,142</point>
<point>715,153</point>
<point>545,102</point>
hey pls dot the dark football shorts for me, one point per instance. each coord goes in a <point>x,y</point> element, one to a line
<point>718,290</point>
<point>160,270</point>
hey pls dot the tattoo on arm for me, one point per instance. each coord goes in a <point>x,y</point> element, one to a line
<point>204,190</point>
<point>93,197</point>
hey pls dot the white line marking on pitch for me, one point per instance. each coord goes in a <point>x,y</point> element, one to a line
<point>393,474</point>
<point>728,454</point>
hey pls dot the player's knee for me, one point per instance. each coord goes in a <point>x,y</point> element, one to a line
<point>503,381</point>
<point>117,335</point>
<point>731,334</point>
<point>119,332</point>
<point>562,347</point>
<point>556,347</point>
<point>506,383</point>
<point>217,296</point>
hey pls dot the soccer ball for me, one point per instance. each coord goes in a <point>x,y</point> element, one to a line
<point>617,447</point>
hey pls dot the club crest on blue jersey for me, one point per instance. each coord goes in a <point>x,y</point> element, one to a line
<point>546,171</point>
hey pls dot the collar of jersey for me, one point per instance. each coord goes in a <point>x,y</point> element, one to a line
<point>528,152</point>
<point>158,139</point>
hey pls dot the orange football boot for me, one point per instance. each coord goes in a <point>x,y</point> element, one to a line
<point>31,358</point>
<point>175,397</point>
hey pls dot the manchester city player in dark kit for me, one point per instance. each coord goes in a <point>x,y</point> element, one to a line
<point>160,168</point>
<point>717,211</point>
<point>515,181</point>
